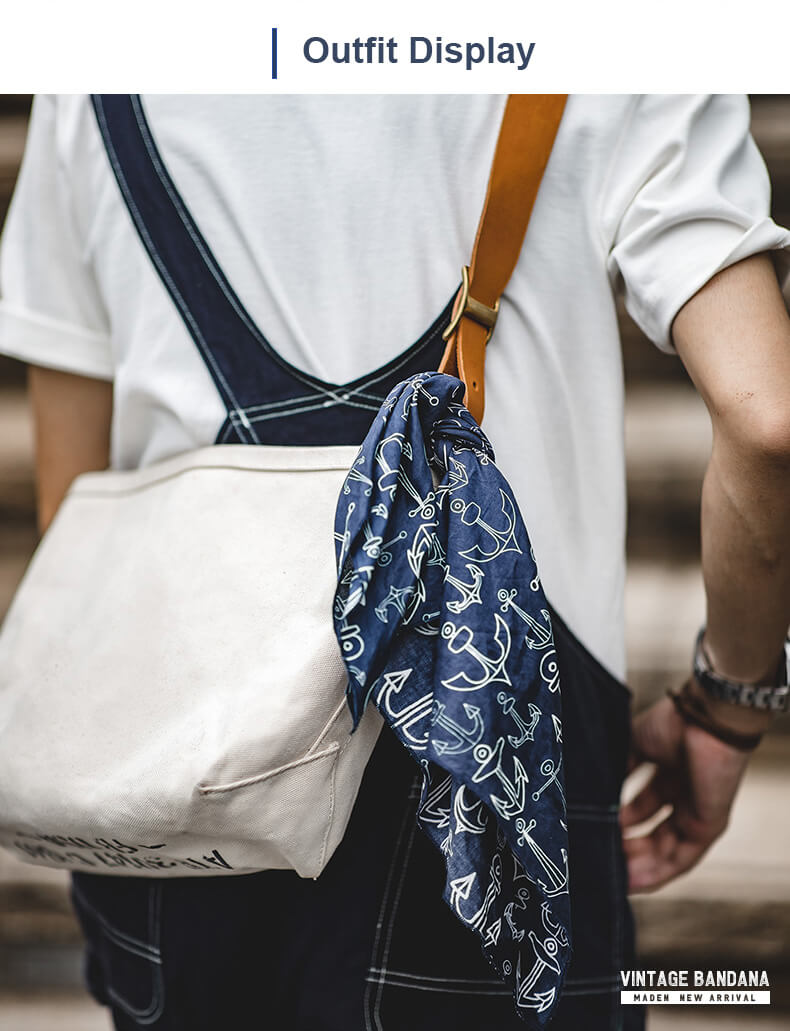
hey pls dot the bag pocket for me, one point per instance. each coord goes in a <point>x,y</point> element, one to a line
<point>121,920</point>
<point>293,816</point>
<point>280,819</point>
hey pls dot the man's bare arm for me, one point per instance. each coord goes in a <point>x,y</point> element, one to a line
<point>71,416</point>
<point>734,338</point>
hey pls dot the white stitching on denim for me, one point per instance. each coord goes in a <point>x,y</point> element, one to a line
<point>123,940</point>
<point>206,255</point>
<point>440,980</point>
<point>380,374</point>
<point>398,979</point>
<point>408,816</point>
<point>155,921</point>
<point>311,408</point>
<point>617,945</point>
<point>146,1016</point>
<point>268,406</point>
<point>155,257</point>
<point>391,982</point>
<point>394,913</point>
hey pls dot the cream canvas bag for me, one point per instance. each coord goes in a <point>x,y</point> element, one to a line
<point>172,707</point>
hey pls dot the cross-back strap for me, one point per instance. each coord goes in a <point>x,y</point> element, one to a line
<point>526,136</point>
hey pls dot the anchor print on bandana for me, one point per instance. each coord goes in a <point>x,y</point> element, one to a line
<point>444,627</point>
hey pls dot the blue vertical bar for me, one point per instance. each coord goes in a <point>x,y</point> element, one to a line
<point>274,53</point>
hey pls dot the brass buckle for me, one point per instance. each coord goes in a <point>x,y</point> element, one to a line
<point>470,308</point>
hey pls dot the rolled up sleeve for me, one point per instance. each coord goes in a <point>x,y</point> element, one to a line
<point>51,311</point>
<point>688,195</point>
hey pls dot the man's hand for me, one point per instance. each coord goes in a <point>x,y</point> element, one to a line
<point>697,775</point>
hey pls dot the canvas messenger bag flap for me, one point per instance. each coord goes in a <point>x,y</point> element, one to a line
<point>172,691</point>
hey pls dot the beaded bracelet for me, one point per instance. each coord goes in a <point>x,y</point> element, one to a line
<point>693,710</point>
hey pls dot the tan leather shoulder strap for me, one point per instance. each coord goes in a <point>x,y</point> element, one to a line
<point>526,136</point>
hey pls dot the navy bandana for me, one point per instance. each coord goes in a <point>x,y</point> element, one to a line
<point>443,625</point>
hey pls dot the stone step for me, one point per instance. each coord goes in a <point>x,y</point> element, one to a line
<point>47,1011</point>
<point>13,129</point>
<point>668,441</point>
<point>664,608</point>
<point>771,130</point>
<point>17,496</point>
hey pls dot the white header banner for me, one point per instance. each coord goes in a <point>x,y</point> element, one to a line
<point>408,47</point>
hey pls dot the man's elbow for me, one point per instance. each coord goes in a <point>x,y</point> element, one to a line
<point>773,436</point>
<point>759,432</point>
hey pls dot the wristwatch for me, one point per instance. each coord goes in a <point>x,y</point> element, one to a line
<point>772,697</point>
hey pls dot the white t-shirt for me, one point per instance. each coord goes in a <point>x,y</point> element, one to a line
<point>343,223</point>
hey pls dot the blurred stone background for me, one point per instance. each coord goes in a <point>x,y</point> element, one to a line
<point>733,911</point>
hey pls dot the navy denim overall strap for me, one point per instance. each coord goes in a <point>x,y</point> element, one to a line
<point>260,390</point>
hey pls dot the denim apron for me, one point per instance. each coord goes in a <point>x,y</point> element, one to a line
<point>370,944</point>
